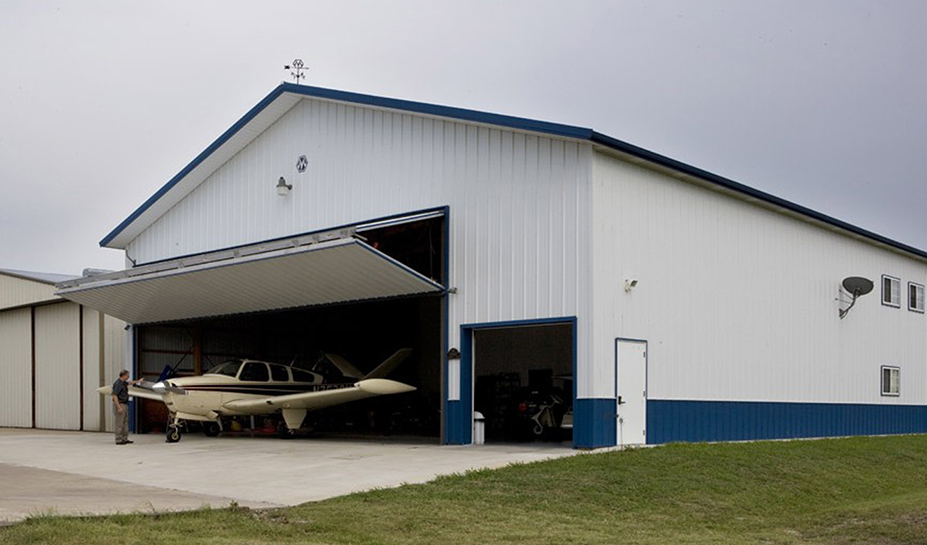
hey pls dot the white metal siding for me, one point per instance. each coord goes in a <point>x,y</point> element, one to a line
<point>115,340</point>
<point>519,203</point>
<point>16,368</point>
<point>57,366</point>
<point>738,301</point>
<point>15,292</point>
<point>92,354</point>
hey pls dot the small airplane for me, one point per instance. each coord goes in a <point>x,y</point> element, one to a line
<point>243,387</point>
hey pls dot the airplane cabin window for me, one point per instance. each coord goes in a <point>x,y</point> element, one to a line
<point>229,368</point>
<point>279,373</point>
<point>254,371</point>
<point>302,376</point>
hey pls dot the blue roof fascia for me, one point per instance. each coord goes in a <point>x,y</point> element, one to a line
<point>727,183</point>
<point>475,116</point>
<point>356,98</point>
<point>194,163</point>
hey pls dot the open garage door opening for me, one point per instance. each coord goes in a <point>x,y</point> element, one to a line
<point>524,382</point>
<point>320,339</point>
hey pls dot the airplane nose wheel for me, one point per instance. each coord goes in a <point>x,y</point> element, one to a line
<point>173,434</point>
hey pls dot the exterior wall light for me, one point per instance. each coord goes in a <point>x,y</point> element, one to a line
<point>630,284</point>
<point>283,188</point>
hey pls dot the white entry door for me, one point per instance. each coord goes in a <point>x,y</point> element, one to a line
<point>631,391</point>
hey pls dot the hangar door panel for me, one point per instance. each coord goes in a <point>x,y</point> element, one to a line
<point>16,363</point>
<point>339,271</point>
<point>57,367</point>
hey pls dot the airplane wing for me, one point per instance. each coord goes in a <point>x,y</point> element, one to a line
<point>321,399</point>
<point>135,391</point>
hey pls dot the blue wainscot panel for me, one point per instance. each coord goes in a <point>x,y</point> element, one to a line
<point>742,420</point>
<point>594,423</point>
<point>459,419</point>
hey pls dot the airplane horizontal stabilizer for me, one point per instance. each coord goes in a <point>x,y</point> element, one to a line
<point>389,364</point>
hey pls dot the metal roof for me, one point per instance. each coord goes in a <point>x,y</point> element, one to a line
<point>250,280</point>
<point>44,278</point>
<point>286,95</point>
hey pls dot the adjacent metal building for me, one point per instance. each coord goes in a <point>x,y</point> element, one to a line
<point>54,356</point>
<point>689,306</point>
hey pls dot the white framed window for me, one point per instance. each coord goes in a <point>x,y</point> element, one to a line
<point>891,291</point>
<point>891,377</point>
<point>916,297</point>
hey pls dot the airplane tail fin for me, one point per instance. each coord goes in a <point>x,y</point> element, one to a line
<point>389,364</point>
<point>343,365</point>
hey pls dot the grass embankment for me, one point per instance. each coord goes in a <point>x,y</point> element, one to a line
<point>858,490</point>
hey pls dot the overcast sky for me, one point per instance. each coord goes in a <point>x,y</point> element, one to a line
<point>819,102</point>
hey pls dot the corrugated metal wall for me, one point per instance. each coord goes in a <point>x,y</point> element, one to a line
<point>57,367</point>
<point>16,366</point>
<point>519,203</point>
<point>115,359</point>
<point>756,319</point>
<point>92,376</point>
<point>15,292</point>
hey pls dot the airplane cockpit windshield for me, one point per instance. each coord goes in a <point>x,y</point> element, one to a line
<point>229,368</point>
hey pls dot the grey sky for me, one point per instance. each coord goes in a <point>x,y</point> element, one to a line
<point>818,102</point>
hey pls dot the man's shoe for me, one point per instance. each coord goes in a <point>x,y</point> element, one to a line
<point>121,443</point>
<point>127,442</point>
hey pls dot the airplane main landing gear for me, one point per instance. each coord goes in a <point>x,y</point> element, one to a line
<point>285,432</point>
<point>212,429</point>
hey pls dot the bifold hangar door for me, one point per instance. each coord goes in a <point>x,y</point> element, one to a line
<point>231,282</point>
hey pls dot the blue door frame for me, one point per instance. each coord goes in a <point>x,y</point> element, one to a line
<point>458,414</point>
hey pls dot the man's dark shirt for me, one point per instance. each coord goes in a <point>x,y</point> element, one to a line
<point>121,390</point>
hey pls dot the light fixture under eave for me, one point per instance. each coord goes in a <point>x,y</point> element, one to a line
<point>283,188</point>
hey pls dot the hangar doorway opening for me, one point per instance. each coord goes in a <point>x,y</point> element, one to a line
<point>523,381</point>
<point>364,334</point>
<point>359,297</point>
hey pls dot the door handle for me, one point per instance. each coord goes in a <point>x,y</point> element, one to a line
<point>620,402</point>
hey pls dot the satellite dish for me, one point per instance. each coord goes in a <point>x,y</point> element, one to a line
<point>857,285</point>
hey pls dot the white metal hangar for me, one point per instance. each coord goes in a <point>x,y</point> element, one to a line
<point>539,271</point>
<point>54,354</point>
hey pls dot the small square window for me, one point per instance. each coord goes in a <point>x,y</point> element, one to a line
<point>890,381</point>
<point>891,291</point>
<point>915,297</point>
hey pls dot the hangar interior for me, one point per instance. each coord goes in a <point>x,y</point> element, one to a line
<point>365,333</point>
<point>524,382</point>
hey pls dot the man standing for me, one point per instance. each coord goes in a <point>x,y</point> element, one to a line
<point>121,406</point>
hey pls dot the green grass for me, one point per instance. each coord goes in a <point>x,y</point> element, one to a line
<point>857,490</point>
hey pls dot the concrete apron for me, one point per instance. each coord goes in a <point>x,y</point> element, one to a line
<point>83,473</point>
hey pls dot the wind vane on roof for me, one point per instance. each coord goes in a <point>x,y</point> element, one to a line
<point>296,70</point>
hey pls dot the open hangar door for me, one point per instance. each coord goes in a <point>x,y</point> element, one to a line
<point>365,334</point>
<point>361,292</point>
<point>524,381</point>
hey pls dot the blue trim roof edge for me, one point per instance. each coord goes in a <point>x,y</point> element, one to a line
<point>519,123</point>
